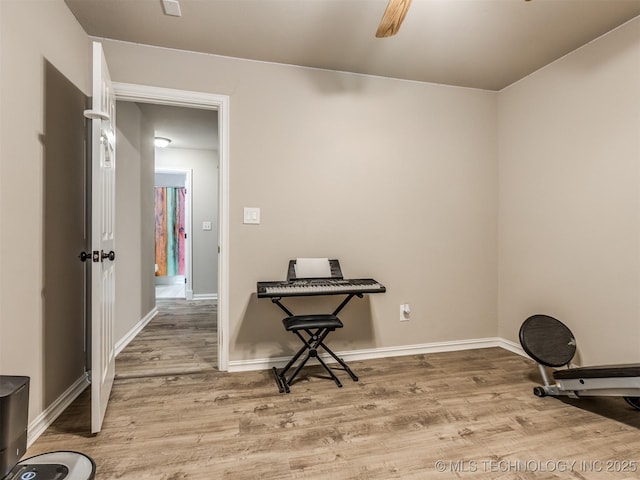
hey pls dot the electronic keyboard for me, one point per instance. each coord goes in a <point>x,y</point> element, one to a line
<point>320,286</point>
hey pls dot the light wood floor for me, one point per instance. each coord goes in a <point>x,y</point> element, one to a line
<point>181,338</point>
<point>472,410</point>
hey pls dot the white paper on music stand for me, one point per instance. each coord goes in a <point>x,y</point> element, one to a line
<point>313,268</point>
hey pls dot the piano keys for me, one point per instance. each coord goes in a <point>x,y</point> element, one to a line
<point>308,277</point>
<point>322,286</point>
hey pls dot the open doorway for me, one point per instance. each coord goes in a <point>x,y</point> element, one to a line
<point>214,223</point>
<point>186,198</point>
<point>181,336</point>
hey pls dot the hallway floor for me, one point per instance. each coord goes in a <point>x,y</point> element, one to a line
<point>170,291</point>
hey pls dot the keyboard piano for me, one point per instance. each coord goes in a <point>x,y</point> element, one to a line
<point>308,277</point>
<point>322,286</point>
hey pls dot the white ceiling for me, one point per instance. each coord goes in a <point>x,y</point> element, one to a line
<point>185,127</point>
<point>486,44</point>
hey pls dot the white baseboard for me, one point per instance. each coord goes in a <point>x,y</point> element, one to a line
<point>53,411</point>
<point>49,415</point>
<point>124,341</point>
<point>205,296</point>
<point>372,353</point>
<point>513,347</point>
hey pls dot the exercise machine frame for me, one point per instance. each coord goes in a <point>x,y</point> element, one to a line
<point>551,344</point>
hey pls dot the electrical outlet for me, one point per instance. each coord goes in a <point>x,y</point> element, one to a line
<point>405,312</point>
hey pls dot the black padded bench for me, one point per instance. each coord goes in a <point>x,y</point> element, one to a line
<point>316,327</point>
<point>311,277</point>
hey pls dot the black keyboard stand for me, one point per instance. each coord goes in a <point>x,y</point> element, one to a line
<point>317,327</point>
<point>278,302</point>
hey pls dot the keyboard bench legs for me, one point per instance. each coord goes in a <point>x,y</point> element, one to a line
<point>311,346</point>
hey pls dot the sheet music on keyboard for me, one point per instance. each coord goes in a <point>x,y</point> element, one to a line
<point>312,268</point>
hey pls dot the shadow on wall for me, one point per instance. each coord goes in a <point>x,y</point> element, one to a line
<point>261,333</point>
<point>64,233</point>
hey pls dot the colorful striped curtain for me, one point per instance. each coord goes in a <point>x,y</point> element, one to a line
<point>170,230</point>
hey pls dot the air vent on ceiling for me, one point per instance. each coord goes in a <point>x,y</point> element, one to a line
<point>171,7</point>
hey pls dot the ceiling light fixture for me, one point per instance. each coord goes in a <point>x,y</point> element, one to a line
<point>161,142</point>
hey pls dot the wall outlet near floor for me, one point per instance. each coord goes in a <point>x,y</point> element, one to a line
<point>405,312</point>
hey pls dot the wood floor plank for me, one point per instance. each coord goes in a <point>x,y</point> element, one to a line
<point>181,338</point>
<point>472,410</point>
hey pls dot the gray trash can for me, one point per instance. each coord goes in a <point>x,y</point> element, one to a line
<point>14,418</point>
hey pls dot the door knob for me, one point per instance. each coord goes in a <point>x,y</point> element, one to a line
<point>111,255</point>
<point>84,256</point>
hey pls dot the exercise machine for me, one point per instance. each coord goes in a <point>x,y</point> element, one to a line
<point>551,344</point>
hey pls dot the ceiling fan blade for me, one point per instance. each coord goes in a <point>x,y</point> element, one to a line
<point>392,18</point>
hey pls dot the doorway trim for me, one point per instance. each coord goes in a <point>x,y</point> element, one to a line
<point>183,98</point>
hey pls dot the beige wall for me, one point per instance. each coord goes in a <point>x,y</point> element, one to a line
<point>30,34</point>
<point>147,219</point>
<point>396,179</point>
<point>569,197</point>
<point>133,155</point>
<point>65,234</point>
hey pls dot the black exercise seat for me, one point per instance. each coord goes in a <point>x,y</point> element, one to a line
<point>317,327</point>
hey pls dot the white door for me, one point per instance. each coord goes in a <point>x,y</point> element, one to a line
<point>103,183</point>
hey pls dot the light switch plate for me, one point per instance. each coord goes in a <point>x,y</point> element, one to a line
<point>251,215</point>
<point>206,225</point>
